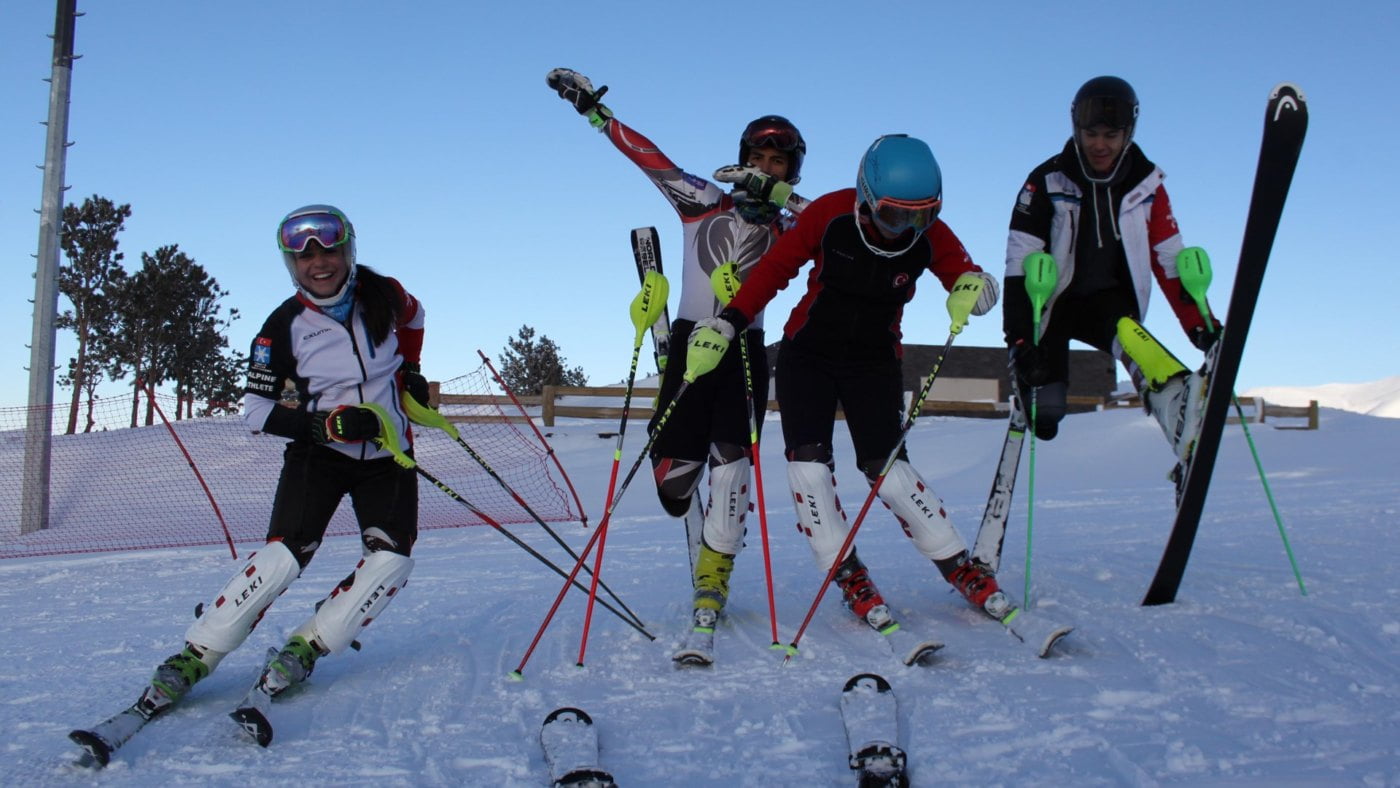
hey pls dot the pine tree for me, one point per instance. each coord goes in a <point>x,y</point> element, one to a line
<point>527,366</point>
<point>89,281</point>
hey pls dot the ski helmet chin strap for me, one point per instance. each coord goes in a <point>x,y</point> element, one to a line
<point>864,227</point>
<point>1117,164</point>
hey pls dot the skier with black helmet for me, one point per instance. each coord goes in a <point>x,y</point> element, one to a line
<point>1100,209</point>
<point>329,370</point>
<point>710,424</point>
<point>842,347</point>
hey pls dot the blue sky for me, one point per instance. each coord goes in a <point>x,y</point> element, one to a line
<point>471,182</point>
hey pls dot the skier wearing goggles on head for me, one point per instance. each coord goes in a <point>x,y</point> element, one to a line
<point>710,424</point>
<point>329,370</point>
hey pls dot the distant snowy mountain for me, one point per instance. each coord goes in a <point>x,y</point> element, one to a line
<point>1377,398</point>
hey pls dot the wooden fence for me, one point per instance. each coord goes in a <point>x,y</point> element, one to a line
<point>1256,409</point>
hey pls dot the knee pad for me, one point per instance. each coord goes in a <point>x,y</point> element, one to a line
<point>223,625</point>
<point>1050,408</point>
<point>819,514</point>
<point>676,481</point>
<point>920,512</point>
<point>729,499</point>
<point>352,605</point>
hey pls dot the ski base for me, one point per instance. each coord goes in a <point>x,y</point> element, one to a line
<point>869,713</point>
<point>570,746</point>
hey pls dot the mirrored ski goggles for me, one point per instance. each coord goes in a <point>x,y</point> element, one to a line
<point>328,229</point>
<point>895,216</point>
<point>1111,112</point>
<point>781,137</point>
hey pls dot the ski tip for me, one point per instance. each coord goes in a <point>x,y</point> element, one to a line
<point>872,680</point>
<point>1287,89</point>
<point>1054,638</point>
<point>568,714</point>
<point>254,724</point>
<point>97,750</point>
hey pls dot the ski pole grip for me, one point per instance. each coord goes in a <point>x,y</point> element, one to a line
<point>725,282</point>
<point>1193,267</point>
<point>1041,276</point>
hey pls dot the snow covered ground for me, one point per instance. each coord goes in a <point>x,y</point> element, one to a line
<point>1243,681</point>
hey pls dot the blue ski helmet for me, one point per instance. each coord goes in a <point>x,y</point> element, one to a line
<point>899,187</point>
<point>328,226</point>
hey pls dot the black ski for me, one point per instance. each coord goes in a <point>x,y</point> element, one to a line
<point>870,714</point>
<point>991,535</point>
<point>1285,125</point>
<point>570,746</point>
<point>646,250</point>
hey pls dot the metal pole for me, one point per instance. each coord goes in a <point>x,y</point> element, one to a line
<point>34,512</point>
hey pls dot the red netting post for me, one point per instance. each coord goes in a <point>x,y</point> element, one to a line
<point>228,537</point>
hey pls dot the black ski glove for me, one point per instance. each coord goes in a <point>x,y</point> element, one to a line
<point>1203,339</point>
<point>414,383</point>
<point>1032,367</point>
<point>345,424</point>
<point>576,89</point>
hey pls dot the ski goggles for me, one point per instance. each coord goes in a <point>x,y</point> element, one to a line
<point>327,229</point>
<point>895,216</point>
<point>1111,112</point>
<point>783,138</point>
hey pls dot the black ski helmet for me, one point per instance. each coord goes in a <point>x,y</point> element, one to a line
<point>1105,100</point>
<point>778,132</point>
<point>1108,101</point>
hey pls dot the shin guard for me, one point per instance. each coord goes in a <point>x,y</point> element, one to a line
<point>729,503</point>
<point>223,625</point>
<point>920,512</point>
<point>819,514</point>
<point>352,606</point>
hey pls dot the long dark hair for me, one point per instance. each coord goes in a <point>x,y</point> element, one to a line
<point>379,300</point>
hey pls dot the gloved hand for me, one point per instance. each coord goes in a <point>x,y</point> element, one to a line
<point>345,424</point>
<point>1032,367</point>
<point>755,184</point>
<point>1204,339</point>
<point>414,383</point>
<point>708,343</point>
<point>576,89</point>
<point>974,293</point>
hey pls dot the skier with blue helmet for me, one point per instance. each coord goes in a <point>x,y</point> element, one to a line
<point>842,348</point>
<point>709,426</point>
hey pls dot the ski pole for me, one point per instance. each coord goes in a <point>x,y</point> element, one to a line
<point>644,311</point>
<point>655,433</point>
<point>423,415</point>
<point>1041,275</point>
<point>909,420</point>
<point>388,440</point>
<point>725,281</point>
<point>1194,268</point>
